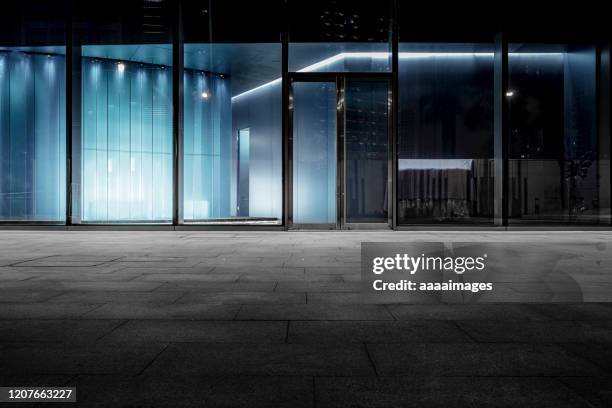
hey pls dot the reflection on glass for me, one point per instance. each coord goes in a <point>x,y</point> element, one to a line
<point>366,138</point>
<point>32,134</point>
<point>314,153</point>
<point>557,172</point>
<point>232,133</point>
<point>445,133</point>
<point>126,143</point>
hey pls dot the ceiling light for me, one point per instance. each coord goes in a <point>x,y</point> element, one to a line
<point>121,67</point>
<point>205,95</point>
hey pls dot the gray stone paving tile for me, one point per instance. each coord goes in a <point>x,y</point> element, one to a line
<point>200,331</point>
<point>262,359</point>
<point>478,360</point>
<point>581,311</point>
<point>535,332</point>
<point>33,380</point>
<point>8,275</point>
<point>314,312</point>
<point>338,286</point>
<point>217,287</point>
<point>596,390</point>
<point>164,311</point>
<point>57,280</point>
<point>47,330</point>
<point>114,286</point>
<point>161,311</point>
<point>261,392</point>
<point>94,358</point>
<point>152,268</point>
<point>137,391</point>
<point>236,261</point>
<point>382,392</point>
<point>599,354</point>
<point>178,276</point>
<point>245,298</point>
<point>44,310</point>
<point>68,260</point>
<point>366,298</point>
<point>27,296</point>
<point>260,270</point>
<point>375,332</point>
<point>497,312</point>
<point>321,263</point>
<point>116,297</point>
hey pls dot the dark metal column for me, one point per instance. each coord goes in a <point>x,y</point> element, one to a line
<point>286,127</point>
<point>73,121</point>
<point>603,126</point>
<point>340,152</point>
<point>69,64</point>
<point>501,134</point>
<point>392,182</point>
<point>177,115</point>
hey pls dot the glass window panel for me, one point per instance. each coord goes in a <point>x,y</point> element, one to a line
<point>123,83</point>
<point>314,153</point>
<point>232,120</point>
<point>445,133</point>
<point>557,172</point>
<point>33,113</point>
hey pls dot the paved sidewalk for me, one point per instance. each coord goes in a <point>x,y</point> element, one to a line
<point>250,319</point>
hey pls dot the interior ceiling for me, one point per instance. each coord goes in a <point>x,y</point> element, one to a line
<point>248,65</point>
<point>253,64</point>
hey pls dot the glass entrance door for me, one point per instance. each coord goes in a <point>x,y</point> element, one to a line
<point>339,153</point>
<point>314,154</point>
<point>366,153</point>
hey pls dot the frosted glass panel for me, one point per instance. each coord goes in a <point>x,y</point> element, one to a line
<point>126,141</point>
<point>32,137</point>
<point>207,146</point>
<point>314,153</point>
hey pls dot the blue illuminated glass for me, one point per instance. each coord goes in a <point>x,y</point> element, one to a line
<point>232,126</point>
<point>32,136</point>
<point>126,141</point>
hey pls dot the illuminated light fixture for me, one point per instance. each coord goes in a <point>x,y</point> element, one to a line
<point>510,94</point>
<point>401,55</point>
<point>121,67</point>
<point>205,95</point>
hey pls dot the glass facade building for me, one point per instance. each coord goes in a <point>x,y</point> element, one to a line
<point>290,114</point>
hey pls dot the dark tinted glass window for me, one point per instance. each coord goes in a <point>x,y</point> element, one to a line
<point>445,133</point>
<point>557,170</point>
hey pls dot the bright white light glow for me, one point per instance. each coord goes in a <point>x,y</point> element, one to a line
<point>401,55</point>
<point>510,94</point>
<point>435,164</point>
<point>205,95</point>
<point>121,67</point>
